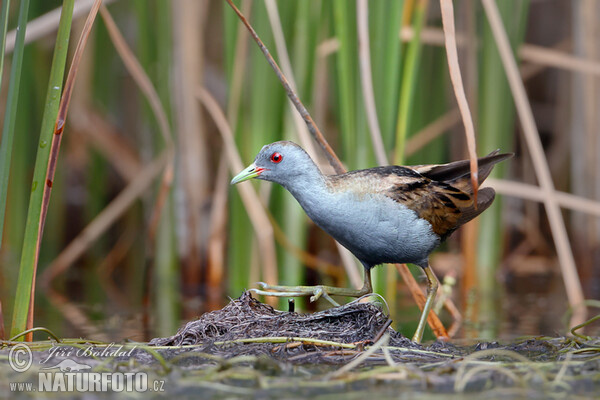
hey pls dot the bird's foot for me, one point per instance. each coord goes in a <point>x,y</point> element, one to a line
<point>315,292</point>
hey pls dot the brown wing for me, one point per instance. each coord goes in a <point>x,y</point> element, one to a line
<point>437,202</point>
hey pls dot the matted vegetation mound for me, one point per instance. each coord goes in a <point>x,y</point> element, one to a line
<point>246,318</point>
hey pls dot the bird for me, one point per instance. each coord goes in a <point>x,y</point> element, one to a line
<point>385,214</point>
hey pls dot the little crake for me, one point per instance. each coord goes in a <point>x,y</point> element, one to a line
<point>382,215</point>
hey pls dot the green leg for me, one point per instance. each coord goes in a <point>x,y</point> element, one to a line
<point>432,287</point>
<point>315,292</point>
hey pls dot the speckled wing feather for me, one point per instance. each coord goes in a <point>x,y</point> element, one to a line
<point>451,187</point>
<point>441,204</point>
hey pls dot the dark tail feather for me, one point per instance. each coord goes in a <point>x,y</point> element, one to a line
<point>462,169</point>
<point>485,198</point>
<point>486,164</point>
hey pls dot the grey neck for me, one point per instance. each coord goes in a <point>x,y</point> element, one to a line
<point>309,187</point>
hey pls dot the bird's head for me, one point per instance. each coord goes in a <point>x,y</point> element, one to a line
<point>277,162</point>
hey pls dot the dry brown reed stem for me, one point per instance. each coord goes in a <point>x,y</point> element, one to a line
<point>459,91</point>
<point>107,140</point>
<point>456,316</point>
<point>48,23</point>
<point>539,55</point>
<point>559,232</point>
<point>256,212</point>
<point>104,220</point>
<point>327,47</point>
<point>312,127</point>
<point>192,190</point>
<point>471,57</point>
<point>431,131</point>
<point>301,127</point>
<point>532,192</point>
<point>139,76</point>
<point>111,261</point>
<point>320,87</point>
<point>216,239</point>
<point>468,283</point>
<point>417,294</point>
<point>558,59</point>
<point>76,317</point>
<point>583,139</point>
<point>364,59</point>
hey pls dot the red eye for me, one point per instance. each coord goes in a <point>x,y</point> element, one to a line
<point>276,158</point>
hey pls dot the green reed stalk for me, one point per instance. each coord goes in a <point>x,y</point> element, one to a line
<point>167,269</point>
<point>10,115</point>
<point>386,58</point>
<point>346,61</point>
<point>20,175</point>
<point>32,228</point>
<point>407,91</point>
<point>429,103</point>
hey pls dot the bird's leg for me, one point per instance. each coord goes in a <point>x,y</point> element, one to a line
<point>315,292</point>
<point>432,287</point>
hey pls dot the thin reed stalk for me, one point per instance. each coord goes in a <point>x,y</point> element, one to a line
<point>409,80</point>
<point>10,114</point>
